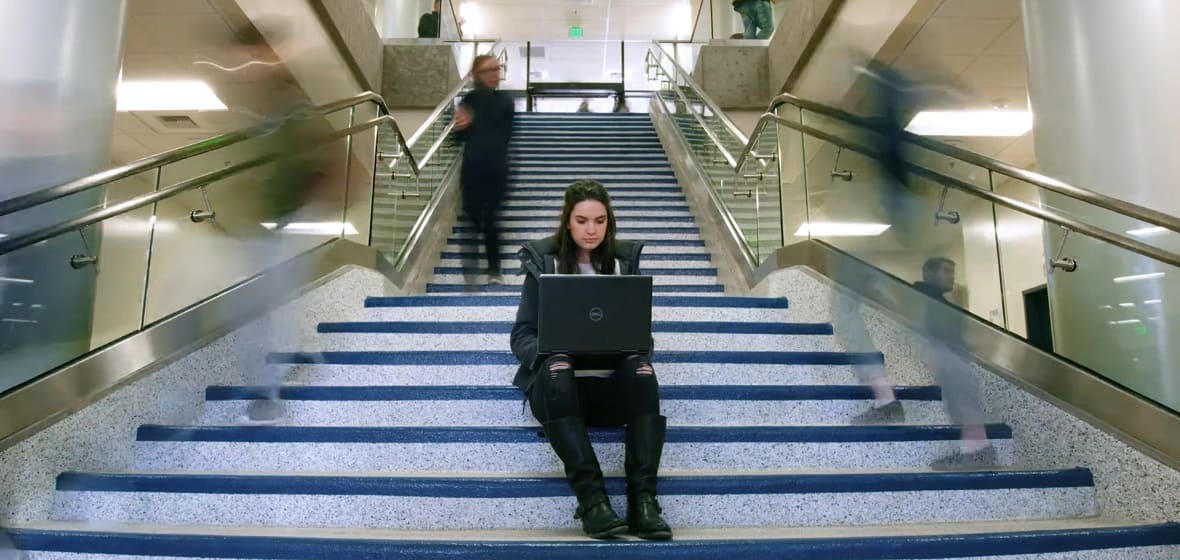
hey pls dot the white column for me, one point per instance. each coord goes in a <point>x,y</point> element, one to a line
<point>1104,80</point>
<point>59,68</point>
<point>59,65</point>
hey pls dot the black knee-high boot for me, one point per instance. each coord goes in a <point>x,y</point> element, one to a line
<point>572,444</point>
<point>645,444</point>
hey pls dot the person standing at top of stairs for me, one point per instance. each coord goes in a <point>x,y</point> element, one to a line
<point>564,403</point>
<point>757,16</point>
<point>483,122</point>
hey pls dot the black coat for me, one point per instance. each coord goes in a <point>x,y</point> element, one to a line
<point>484,173</point>
<point>537,258</point>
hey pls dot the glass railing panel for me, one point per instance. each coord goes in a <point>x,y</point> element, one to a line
<point>1115,314</point>
<point>895,224</point>
<point>75,292</point>
<point>263,216</point>
<point>400,197</point>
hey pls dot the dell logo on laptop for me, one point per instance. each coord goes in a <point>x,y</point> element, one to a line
<point>596,314</point>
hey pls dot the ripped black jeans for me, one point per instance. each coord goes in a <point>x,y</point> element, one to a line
<point>632,390</point>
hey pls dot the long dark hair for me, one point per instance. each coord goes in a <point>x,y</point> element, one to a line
<point>603,257</point>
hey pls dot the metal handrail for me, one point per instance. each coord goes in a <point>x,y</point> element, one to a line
<point>108,176</point>
<point>23,240</point>
<point>1105,202</point>
<point>1125,242</point>
<point>700,121</point>
<point>712,105</point>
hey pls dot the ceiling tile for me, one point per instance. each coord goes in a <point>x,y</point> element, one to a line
<point>936,65</point>
<point>153,67</point>
<point>1021,152</point>
<point>169,7</point>
<point>996,71</point>
<point>124,149</point>
<point>1011,42</point>
<point>128,123</point>
<point>979,9</point>
<point>137,39</point>
<point>958,36</point>
<point>1013,98</point>
<point>189,33</point>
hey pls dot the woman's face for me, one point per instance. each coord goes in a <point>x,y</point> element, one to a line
<point>488,73</point>
<point>588,224</point>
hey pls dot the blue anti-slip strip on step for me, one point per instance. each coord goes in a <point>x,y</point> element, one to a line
<point>523,173</point>
<point>645,272</point>
<point>632,231</point>
<point>729,302</point>
<point>555,487</point>
<point>647,242</point>
<point>505,327</point>
<point>617,199</point>
<point>491,358</point>
<point>903,547</point>
<point>648,257</point>
<point>386,393</point>
<point>527,434</point>
<point>666,288</point>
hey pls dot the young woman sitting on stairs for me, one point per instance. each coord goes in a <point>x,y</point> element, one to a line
<point>564,403</point>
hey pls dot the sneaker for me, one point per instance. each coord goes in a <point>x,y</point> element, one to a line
<point>495,280</point>
<point>983,459</point>
<point>891,413</point>
<point>263,412</point>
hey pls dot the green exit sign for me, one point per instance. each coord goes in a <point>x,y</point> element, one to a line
<point>575,32</point>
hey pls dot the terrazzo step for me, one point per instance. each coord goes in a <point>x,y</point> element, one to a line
<point>649,245</point>
<point>571,149</point>
<point>503,308</point>
<point>507,236</point>
<point>493,358</point>
<point>679,279</point>
<point>488,405</point>
<point>453,286</point>
<point>556,187</point>
<point>651,257</point>
<point>623,231</point>
<point>493,335</point>
<point>649,263</point>
<point>655,271</point>
<point>521,450</point>
<point>624,213</point>
<point>651,251</point>
<point>629,200</point>
<point>1062,539</point>
<point>670,373</point>
<point>544,502</point>
<point>541,155</point>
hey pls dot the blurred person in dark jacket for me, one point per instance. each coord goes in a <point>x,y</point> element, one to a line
<point>483,123</point>
<point>960,390</point>
<point>430,24</point>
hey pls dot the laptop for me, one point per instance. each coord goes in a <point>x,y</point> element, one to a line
<point>594,318</point>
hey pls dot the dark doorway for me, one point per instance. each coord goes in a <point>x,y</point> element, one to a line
<point>1036,317</point>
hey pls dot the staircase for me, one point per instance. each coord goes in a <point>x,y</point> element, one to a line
<point>403,438</point>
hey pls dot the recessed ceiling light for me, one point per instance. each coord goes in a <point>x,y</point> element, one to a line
<point>971,123</point>
<point>1153,302</point>
<point>1127,304</point>
<point>7,280</point>
<point>841,229</point>
<point>1138,277</point>
<point>177,95</point>
<point>1126,322</point>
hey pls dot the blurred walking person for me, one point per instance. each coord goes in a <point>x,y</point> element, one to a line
<point>960,390</point>
<point>267,222</point>
<point>483,122</point>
